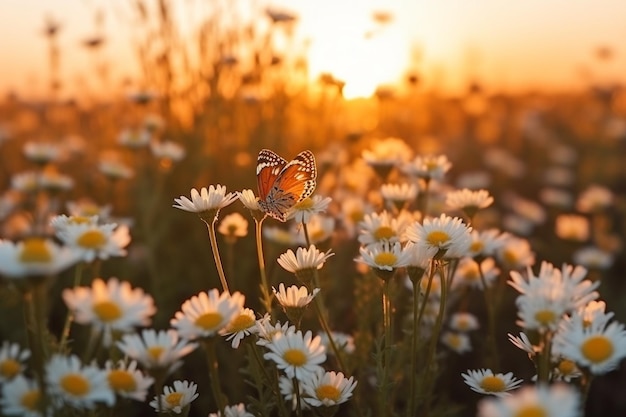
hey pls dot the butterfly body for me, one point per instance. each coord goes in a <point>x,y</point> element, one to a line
<point>282,183</point>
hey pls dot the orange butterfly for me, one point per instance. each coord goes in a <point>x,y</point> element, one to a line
<point>282,184</point>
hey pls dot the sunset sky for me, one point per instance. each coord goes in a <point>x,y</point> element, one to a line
<point>509,45</point>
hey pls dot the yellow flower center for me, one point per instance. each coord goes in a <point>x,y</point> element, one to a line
<point>174,398</point>
<point>294,357</point>
<point>472,273</point>
<point>75,384</point>
<point>35,250</point>
<point>384,233</point>
<point>462,324</point>
<point>120,380</point>
<point>317,235</point>
<point>597,349</point>
<point>510,257</point>
<point>545,317</point>
<point>30,399</point>
<point>437,238</point>
<point>9,368</point>
<point>305,204</point>
<point>492,383</point>
<point>107,311</point>
<point>241,322</point>
<point>155,352</point>
<point>79,220</point>
<point>209,321</point>
<point>386,259</point>
<point>454,340</point>
<point>356,215</point>
<point>566,367</point>
<point>328,392</point>
<point>531,411</point>
<point>92,239</point>
<point>231,229</point>
<point>477,246</point>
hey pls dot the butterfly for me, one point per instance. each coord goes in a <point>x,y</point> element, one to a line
<point>282,184</point>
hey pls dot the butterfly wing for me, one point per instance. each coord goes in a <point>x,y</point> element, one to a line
<point>269,165</point>
<point>295,182</point>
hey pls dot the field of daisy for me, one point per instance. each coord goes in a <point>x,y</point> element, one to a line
<point>221,239</point>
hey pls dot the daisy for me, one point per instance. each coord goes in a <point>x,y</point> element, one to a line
<point>353,211</point>
<point>294,296</point>
<point>419,260</point>
<point>320,229</point>
<point>55,182</point>
<point>297,354</point>
<point>593,258</point>
<point>464,322</point>
<point>428,167</point>
<point>34,256</point>
<point>572,227</point>
<point>12,361</point>
<point>385,154</point>
<point>469,201</point>
<point>457,342</point>
<point>450,236</point>
<point>304,261</point>
<point>486,243</point>
<point>558,400</point>
<point>594,198</point>
<point>268,332</point>
<point>238,410</point>
<point>87,208</point>
<point>93,241</point>
<point>384,258</point>
<point>243,324</point>
<point>555,197</point>
<point>596,346</point>
<point>250,201</point>
<point>399,195</point>
<point>565,370</point>
<point>380,227</point>
<point>327,389</point>
<point>25,182</point>
<point>127,381</point>
<point>302,211</point>
<point>134,138</point>
<point>167,150</point>
<point>233,226</point>
<point>114,169</point>
<point>344,342</point>
<point>207,313</point>
<point>523,342</point>
<point>209,200</point>
<point>110,306</point>
<point>518,225</point>
<point>540,313</point>
<point>467,273</point>
<point>79,386</point>
<point>528,209</point>
<point>175,398</point>
<point>42,153</point>
<point>484,381</point>
<point>62,221</point>
<point>21,397</point>
<point>287,390</point>
<point>158,351</point>
<point>515,253</point>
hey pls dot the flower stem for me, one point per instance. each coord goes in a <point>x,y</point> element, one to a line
<point>216,387</point>
<point>493,359</point>
<point>384,386</point>
<point>78,273</point>
<point>34,340</point>
<point>216,253</point>
<point>414,338</point>
<point>296,390</point>
<point>543,368</point>
<point>265,291</point>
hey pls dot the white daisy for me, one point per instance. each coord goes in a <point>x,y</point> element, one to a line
<point>242,324</point>
<point>42,153</point>
<point>167,150</point>
<point>320,228</point>
<point>233,226</point>
<point>109,306</point>
<point>12,361</point>
<point>95,241</point>
<point>428,167</point>
<point>486,243</point>
<point>160,350</point>
<point>450,236</point>
<point>381,227</point>
<point>134,138</point>
<point>296,354</point>
<point>207,313</point>
<point>515,253</point>
<point>85,207</point>
<point>268,331</point>
<point>467,273</point>
<point>484,381</point>
<point>304,261</point>
<point>469,201</point>
<point>399,196</point>
<point>34,257</point>
<point>327,388</point>
<point>114,169</point>
<point>294,296</point>
<point>523,342</point>
<point>25,182</point>
<point>175,398</point>
<point>594,198</point>
<point>82,387</point>
<point>384,258</point>
<point>127,381</point>
<point>238,410</point>
<point>557,400</point>
<point>593,258</point>
<point>596,346</point>
<point>21,397</point>
<point>464,322</point>
<point>287,390</point>
<point>302,211</point>
<point>249,200</point>
<point>457,342</point>
<point>344,342</point>
<point>54,182</point>
<point>207,200</point>
<point>565,370</point>
<point>386,153</point>
<point>62,221</point>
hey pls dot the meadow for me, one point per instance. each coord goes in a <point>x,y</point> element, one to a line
<point>431,255</point>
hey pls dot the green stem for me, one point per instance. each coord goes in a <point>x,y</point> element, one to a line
<point>544,365</point>
<point>384,386</point>
<point>216,253</point>
<point>273,382</point>
<point>216,387</point>
<point>78,273</point>
<point>307,239</point>
<point>34,341</point>
<point>265,290</point>
<point>296,389</point>
<point>493,359</point>
<point>414,336</point>
<point>331,339</point>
